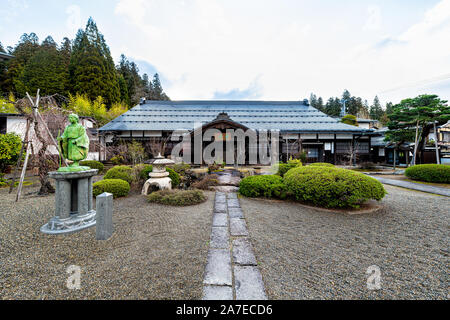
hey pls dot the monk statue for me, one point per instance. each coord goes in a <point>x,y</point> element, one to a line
<point>74,145</point>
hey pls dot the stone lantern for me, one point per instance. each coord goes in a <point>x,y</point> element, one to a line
<point>159,177</point>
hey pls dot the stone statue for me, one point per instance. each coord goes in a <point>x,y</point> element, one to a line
<point>74,145</point>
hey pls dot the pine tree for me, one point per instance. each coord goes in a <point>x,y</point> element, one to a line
<point>157,92</point>
<point>124,97</point>
<point>313,100</point>
<point>46,70</point>
<point>333,107</point>
<point>320,105</point>
<point>376,111</point>
<point>92,71</point>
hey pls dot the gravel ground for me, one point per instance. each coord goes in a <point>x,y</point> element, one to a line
<point>156,252</point>
<point>304,253</point>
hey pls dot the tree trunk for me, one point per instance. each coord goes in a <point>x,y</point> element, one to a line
<point>438,160</point>
<point>415,144</point>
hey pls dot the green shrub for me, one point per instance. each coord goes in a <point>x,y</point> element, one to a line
<point>118,187</point>
<point>177,197</point>
<point>175,177</point>
<point>10,145</point>
<point>120,172</point>
<point>285,167</point>
<point>332,187</point>
<point>117,160</point>
<point>321,164</point>
<point>144,173</point>
<point>265,186</point>
<point>181,168</point>
<point>439,173</point>
<point>93,165</point>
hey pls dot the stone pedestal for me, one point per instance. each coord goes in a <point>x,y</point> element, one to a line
<point>73,202</point>
<point>159,177</point>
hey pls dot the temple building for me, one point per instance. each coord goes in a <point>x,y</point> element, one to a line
<point>301,128</point>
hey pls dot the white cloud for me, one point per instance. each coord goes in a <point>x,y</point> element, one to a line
<point>207,47</point>
<point>374,18</point>
<point>73,21</point>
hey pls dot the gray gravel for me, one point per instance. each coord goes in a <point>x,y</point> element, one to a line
<point>156,252</point>
<point>305,253</point>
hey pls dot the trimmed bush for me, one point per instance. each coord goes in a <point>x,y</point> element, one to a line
<point>177,197</point>
<point>120,172</point>
<point>439,173</point>
<point>266,186</point>
<point>285,167</point>
<point>175,177</point>
<point>321,164</point>
<point>144,173</point>
<point>118,187</point>
<point>93,165</point>
<point>332,187</point>
<point>117,160</point>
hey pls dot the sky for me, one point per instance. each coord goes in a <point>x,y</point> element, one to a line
<point>261,49</point>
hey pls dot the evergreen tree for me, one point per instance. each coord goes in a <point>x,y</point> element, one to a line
<point>417,113</point>
<point>320,105</point>
<point>46,70</point>
<point>333,107</point>
<point>23,52</point>
<point>91,68</point>
<point>157,92</point>
<point>313,100</point>
<point>376,111</point>
<point>124,97</point>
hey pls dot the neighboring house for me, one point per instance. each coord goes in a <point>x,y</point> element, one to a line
<point>301,127</point>
<point>443,141</point>
<point>368,123</point>
<point>5,56</point>
<point>17,123</point>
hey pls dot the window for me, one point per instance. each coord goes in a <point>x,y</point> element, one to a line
<point>362,147</point>
<point>343,147</point>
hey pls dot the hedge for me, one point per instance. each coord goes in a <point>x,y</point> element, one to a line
<point>120,172</point>
<point>177,197</point>
<point>429,172</point>
<point>332,187</point>
<point>144,174</point>
<point>321,164</point>
<point>118,187</point>
<point>93,165</point>
<point>285,167</point>
<point>265,186</point>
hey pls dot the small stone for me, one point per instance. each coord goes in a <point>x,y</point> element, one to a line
<point>249,284</point>
<point>238,227</point>
<point>220,220</point>
<point>218,268</point>
<point>243,252</point>
<point>217,293</point>
<point>219,238</point>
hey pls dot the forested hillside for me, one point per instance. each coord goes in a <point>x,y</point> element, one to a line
<point>78,68</point>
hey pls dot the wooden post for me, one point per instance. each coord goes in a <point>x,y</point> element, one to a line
<point>415,143</point>
<point>395,156</point>
<point>24,170</point>
<point>438,160</point>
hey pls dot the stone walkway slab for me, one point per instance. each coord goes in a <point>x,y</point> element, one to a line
<point>414,186</point>
<point>233,203</point>
<point>235,213</point>
<point>220,197</point>
<point>220,220</point>
<point>220,207</point>
<point>238,227</point>
<point>243,252</point>
<point>217,293</point>
<point>249,284</point>
<point>218,268</point>
<point>219,238</point>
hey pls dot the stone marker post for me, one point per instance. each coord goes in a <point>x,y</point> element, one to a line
<point>104,227</point>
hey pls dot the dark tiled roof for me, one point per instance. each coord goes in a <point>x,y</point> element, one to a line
<point>295,116</point>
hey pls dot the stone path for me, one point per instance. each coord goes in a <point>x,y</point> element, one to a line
<point>231,271</point>
<point>415,186</point>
